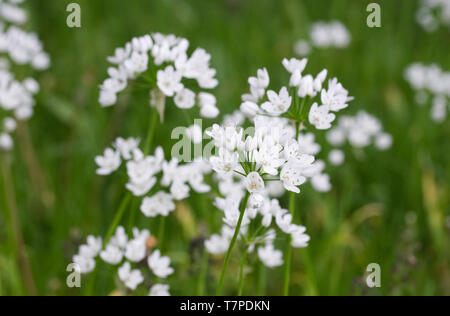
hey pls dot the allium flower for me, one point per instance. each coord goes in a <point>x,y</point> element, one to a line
<point>159,290</point>
<point>109,162</point>
<point>431,83</point>
<point>131,278</point>
<point>270,257</point>
<point>163,63</point>
<point>433,13</point>
<point>160,265</point>
<point>129,251</point>
<point>146,172</point>
<point>23,49</point>
<point>298,106</point>
<point>85,258</point>
<point>332,34</point>
<point>361,131</point>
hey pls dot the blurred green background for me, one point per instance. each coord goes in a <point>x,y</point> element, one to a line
<point>390,208</point>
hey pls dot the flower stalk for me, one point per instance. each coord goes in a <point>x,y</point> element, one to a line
<point>232,243</point>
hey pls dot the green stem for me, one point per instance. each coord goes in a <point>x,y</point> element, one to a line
<point>288,255</point>
<point>123,206</point>
<point>233,241</point>
<point>16,229</point>
<point>203,273</point>
<point>241,272</point>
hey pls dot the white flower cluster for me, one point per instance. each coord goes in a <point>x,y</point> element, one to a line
<point>11,12</point>
<point>22,48</point>
<point>430,82</point>
<point>267,211</point>
<point>360,131</point>
<point>130,251</point>
<point>170,64</point>
<point>270,152</point>
<point>434,13</point>
<point>324,35</point>
<point>143,170</point>
<point>18,98</point>
<point>306,87</point>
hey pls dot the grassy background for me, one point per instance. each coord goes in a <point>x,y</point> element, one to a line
<point>391,207</point>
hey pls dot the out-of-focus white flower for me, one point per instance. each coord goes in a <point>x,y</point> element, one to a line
<point>112,255</point>
<point>160,265</point>
<point>109,162</point>
<point>330,34</point>
<point>270,257</point>
<point>131,278</point>
<point>159,290</point>
<point>195,133</point>
<point>159,204</point>
<point>302,48</point>
<point>6,142</point>
<point>336,157</point>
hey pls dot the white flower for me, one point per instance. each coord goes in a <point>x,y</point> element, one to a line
<point>293,173</point>
<point>320,117</point>
<point>249,108</point>
<point>86,264</point>
<point>159,204</point>
<point>169,81</point>
<point>302,48</point>
<point>284,221</point>
<point>278,103</point>
<point>6,142</point>
<point>92,248</point>
<point>336,157</point>
<point>299,238</point>
<point>254,182</point>
<point>160,265</point>
<point>270,257</point>
<point>383,141</point>
<point>159,290</point>
<point>131,278</point>
<point>217,244</point>
<point>112,255</point>
<point>225,162</point>
<point>321,182</point>
<point>307,144</point>
<point>185,99</point>
<point>109,162</point>
<point>207,103</point>
<point>126,146</point>
<point>179,190</point>
<point>336,97</point>
<point>195,134</point>
<point>136,249</point>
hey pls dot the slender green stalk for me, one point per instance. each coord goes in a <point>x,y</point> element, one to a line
<point>151,131</point>
<point>261,284</point>
<point>233,241</point>
<point>17,234</point>
<point>242,272</point>
<point>123,207</point>
<point>288,255</point>
<point>203,273</point>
